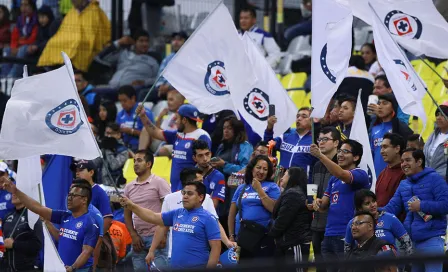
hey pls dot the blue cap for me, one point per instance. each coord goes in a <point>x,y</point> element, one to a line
<point>83,164</point>
<point>189,111</point>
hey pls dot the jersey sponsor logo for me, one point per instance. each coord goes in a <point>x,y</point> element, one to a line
<point>194,219</point>
<point>256,103</point>
<point>253,195</point>
<point>179,154</point>
<point>380,233</point>
<point>403,25</point>
<point>8,197</point>
<point>68,233</point>
<point>377,142</point>
<point>215,80</point>
<point>294,148</point>
<point>65,119</point>
<point>264,188</point>
<point>187,228</point>
<point>79,225</point>
<point>244,195</point>
<point>324,65</point>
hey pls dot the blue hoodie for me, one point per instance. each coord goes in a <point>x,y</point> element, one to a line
<point>432,191</point>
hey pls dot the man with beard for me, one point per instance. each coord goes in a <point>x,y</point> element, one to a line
<point>182,139</point>
<point>147,191</point>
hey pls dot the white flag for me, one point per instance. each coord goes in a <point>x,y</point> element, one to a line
<point>359,133</point>
<point>406,85</point>
<point>211,64</point>
<point>331,51</point>
<point>29,181</point>
<point>253,103</point>
<point>52,261</point>
<point>45,116</point>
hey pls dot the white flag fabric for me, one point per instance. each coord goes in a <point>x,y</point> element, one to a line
<point>407,86</point>
<point>331,51</point>
<point>45,116</point>
<point>211,64</point>
<point>360,134</point>
<point>29,181</point>
<point>52,261</point>
<point>253,101</point>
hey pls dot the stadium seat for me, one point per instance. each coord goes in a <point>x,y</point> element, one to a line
<point>128,171</point>
<point>422,69</point>
<point>307,102</point>
<point>298,97</point>
<point>161,168</point>
<point>294,80</point>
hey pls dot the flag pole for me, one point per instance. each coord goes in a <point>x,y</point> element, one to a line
<point>312,128</point>
<point>430,67</point>
<point>401,51</point>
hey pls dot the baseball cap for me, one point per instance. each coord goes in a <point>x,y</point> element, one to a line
<point>4,167</point>
<point>443,107</point>
<point>189,111</point>
<point>83,164</point>
<point>181,34</point>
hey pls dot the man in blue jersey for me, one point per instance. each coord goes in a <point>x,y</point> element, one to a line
<point>196,235</point>
<point>338,197</point>
<point>5,197</point>
<point>294,146</point>
<point>79,231</point>
<point>213,180</point>
<point>182,139</point>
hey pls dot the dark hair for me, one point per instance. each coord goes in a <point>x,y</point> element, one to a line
<point>368,214</point>
<point>395,140</point>
<point>33,4</point>
<point>140,33</point>
<point>127,90</point>
<point>79,72</point>
<point>371,46</point>
<point>384,79</point>
<point>358,62</point>
<point>188,175</point>
<point>350,99</point>
<point>190,121</point>
<point>199,145</point>
<point>416,137</point>
<point>335,134</point>
<point>357,149</point>
<point>239,132</point>
<point>249,9</point>
<point>149,157</point>
<point>417,154</point>
<point>114,126</point>
<point>111,110</point>
<point>200,187</point>
<point>340,98</point>
<point>86,188</point>
<point>297,177</point>
<point>6,15</point>
<point>304,109</point>
<point>360,196</point>
<point>85,104</point>
<point>261,143</point>
<point>248,177</point>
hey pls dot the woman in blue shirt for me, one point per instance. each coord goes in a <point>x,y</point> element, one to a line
<point>258,196</point>
<point>387,228</point>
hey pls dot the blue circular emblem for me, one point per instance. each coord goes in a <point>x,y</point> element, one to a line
<point>403,25</point>
<point>215,80</point>
<point>232,256</point>
<point>65,119</point>
<point>256,104</point>
<point>324,66</point>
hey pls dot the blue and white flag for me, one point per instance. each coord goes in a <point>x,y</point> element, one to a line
<point>360,134</point>
<point>331,51</point>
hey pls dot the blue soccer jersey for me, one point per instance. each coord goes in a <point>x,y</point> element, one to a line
<point>5,203</point>
<point>192,231</point>
<point>182,152</point>
<point>388,228</point>
<point>74,233</point>
<point>126,119</point>
<point>341,196</point>
<point>376,138</point>
<point>101,201</point>
<point>96,215</point>
<point>215,184</point>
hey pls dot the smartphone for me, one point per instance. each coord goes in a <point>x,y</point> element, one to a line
<point>214,159</point>
<point>271,110</point>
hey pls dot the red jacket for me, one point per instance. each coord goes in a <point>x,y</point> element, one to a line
<point>17,40</point>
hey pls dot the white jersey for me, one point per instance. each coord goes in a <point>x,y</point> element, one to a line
<point>173,201</point>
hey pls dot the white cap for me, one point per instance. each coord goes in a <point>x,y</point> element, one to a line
<point>4,167</point>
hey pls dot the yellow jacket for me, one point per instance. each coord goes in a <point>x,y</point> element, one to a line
<point>81,35</point>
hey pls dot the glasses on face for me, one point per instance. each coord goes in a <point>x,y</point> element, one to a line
<point>323,140</point>
<point>188,193</point>
<point>75,195</point>
<point>344,151</point>
<point>359,223</point>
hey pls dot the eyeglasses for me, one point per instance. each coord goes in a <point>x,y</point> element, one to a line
<point>323,140</point>
<point>75,195</point>
<point>344,151</point>
<point>359,223</point>
<point>188,193</point>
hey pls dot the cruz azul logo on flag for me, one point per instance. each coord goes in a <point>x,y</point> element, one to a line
<point>215,80</point>
<point>65,119</point>
<point>402,24</point>
<point>324,65</point>
<point>256,104</point>
<point>404,71</point>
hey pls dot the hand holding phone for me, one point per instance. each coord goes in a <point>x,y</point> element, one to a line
<point>271,110</point>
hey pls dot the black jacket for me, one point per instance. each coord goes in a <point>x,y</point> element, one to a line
<point>27,242</point>
<point>291,219</point>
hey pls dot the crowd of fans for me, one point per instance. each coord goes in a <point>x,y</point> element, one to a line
<point>227,187</point>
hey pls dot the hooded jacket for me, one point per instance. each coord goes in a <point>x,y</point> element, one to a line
<point>438,160</point>
<point>432,191</point>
